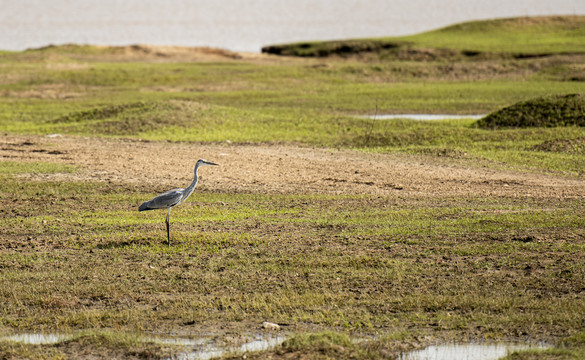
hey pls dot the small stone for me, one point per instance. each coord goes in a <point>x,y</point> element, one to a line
<point>270,326</point>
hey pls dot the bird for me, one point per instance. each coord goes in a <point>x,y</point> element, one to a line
<point>173,197</point>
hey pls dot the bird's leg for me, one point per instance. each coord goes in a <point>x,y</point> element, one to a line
<point>168,227</point>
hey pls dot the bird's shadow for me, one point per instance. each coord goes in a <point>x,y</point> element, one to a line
<point>114,245</point>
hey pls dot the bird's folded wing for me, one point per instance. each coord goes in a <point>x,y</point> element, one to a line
<point>166,199</point>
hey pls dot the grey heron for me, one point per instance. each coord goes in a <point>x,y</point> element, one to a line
<point>173,197</point>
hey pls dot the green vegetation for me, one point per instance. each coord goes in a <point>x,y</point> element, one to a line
<point>249,102</point>
<point>401,271</point>
<point>550,111</point>
<point>329,345</point>
<point>450,264</point>
<point>15,167</point>
<point>514,37</point>
<point>572,348</point>
<point>105,343</point>
<point>521,37</point>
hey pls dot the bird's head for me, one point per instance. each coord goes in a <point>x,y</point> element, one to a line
<point>205,162</point>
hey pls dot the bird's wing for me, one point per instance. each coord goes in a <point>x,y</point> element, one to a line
<point>164,200</point>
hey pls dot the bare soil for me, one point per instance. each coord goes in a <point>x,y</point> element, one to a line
<point>154,53</point>
<point>287,169</point>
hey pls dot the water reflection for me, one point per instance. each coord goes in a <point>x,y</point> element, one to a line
<point>36,339</point>
<point>492,351</point>
<point>210,351</point>
<point>201,348</point>
<point>205,347</point>
<point>178,341</point>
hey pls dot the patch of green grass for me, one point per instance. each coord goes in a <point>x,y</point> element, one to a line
<point>519,37</point>
<point>204,121</point>
<point>98,263</point>
<point>550,149</point>
<point>16,167</point>
<point>325,339</point>
<point>101,343</point>
<point>79,256</point>
<point>562,352</point>
<point>329,345</point>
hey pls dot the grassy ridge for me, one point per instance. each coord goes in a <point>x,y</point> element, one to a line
<point>526,36</point>
<point>515,37</point>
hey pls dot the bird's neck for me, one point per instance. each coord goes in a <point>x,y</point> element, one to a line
<point>191,187</point>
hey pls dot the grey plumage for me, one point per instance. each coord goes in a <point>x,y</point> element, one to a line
<point>173,197</point>
<point>167,199</point>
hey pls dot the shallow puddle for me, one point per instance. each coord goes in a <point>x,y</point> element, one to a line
<point>205,347</point>
<point>36,339</point>
<point>210,351</point>
<point>472,351</point>
<point>178,341</point>
<point>424,117</point>
<point>201,348</point>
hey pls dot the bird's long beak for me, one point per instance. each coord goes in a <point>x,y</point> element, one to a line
<point>210,163</point>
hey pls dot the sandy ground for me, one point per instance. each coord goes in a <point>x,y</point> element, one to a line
<point>158,166</point>
<point>148,53</point>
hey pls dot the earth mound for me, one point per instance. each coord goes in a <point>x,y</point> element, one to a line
<point>547,111</point>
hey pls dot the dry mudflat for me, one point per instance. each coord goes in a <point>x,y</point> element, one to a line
<point>287,169</point>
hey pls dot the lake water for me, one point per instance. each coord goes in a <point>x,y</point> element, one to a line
<point>243,25</point>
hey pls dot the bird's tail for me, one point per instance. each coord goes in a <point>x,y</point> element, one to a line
<point>144,206</point>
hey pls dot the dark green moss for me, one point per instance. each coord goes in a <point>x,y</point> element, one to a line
<point>547,111</point>
<point>323,49</point>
